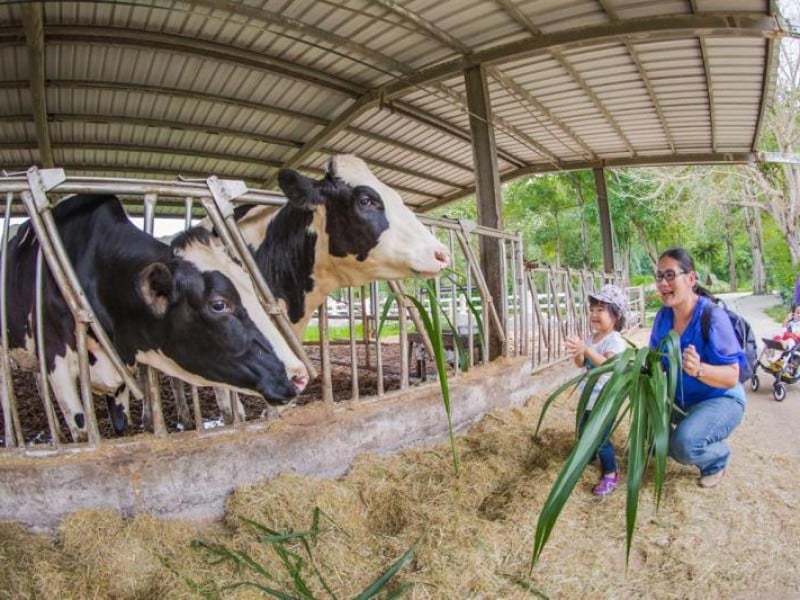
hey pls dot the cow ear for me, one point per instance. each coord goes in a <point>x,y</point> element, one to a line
<point>155,287</point>
<point>298,189</point>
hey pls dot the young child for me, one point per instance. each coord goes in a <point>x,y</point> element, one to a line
<point>791,329</point>
<point>607,309</point>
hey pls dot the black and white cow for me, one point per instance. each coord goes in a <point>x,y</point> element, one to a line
<point>187,309</point>
<point>346,229</point>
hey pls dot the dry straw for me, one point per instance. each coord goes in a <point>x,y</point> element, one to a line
<point>741,539</point>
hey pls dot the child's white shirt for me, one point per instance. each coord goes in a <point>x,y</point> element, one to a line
<point>612,343</point>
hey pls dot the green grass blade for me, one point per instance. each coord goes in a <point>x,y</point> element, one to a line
<point>377,585</point>
<point>262,588</point>
<point>601,416</point>
<point>387,306</point>
<point>430,321</point>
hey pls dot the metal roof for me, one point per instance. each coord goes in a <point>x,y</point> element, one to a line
<point>153,89</point>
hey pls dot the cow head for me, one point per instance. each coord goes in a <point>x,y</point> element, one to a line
<point>370,233</point>
<point>215,329</point>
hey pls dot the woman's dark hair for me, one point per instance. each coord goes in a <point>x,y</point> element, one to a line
<point>613,310</point>
<point>685,260</point>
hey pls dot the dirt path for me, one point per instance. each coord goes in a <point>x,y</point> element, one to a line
<point>770,424</point>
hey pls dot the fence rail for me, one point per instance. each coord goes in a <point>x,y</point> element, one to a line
<point>543,305</point>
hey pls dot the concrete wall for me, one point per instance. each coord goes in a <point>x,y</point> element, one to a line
<point>190,475</point>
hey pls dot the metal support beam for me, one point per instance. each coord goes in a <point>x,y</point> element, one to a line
<point>487,186</point>
<point>34,36</point>
<point>605,219</point>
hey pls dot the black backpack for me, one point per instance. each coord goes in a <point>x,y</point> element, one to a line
<point>744,333</point>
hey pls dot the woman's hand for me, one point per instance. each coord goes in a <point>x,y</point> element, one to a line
<point>691,361</point>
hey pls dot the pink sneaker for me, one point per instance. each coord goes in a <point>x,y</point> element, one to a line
<point>606,485</point>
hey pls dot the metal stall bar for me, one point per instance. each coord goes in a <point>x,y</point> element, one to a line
<point>402,323</point>
<point>152,409</point>
<point>351,321</point>
<point>486,297</point>
<point>454,312</point>
<point>47,400</point>
<point>41,219</point>
<point>523,300</point>
<point>538,326</point>
<point>188,202</point>
<point>38,207</point>
<point>325,354</point>
<point>397,288</point>
<point>12,426</point>
<point>552,307</point>
<point>374,301</point>
<point>365,322</point>
<point>501,253</point>
<point>220,210</point>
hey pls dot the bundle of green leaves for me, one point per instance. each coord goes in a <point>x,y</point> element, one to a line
<point>639,387</point>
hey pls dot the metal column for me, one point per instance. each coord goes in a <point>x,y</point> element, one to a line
<point>487,187</point>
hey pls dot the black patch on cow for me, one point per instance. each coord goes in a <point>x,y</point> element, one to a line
<point>119,421</point>
<point>286,258</point>
<point>356,218</point>
<point>199,235</point>
<point>240,210</point>
<point>204,328</point>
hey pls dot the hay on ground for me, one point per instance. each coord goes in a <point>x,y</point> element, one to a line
<point>475,531</point>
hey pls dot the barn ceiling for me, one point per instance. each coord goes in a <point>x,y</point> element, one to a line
<point>158,89</point>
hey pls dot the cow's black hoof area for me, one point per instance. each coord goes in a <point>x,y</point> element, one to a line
<point>80,420</point>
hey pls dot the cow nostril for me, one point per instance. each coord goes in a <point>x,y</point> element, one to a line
<point>442,256</point>
<point>299,382</point>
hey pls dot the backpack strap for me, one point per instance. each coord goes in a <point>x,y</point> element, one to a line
<point>705,320</point>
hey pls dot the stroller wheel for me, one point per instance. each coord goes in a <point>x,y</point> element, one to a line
<point>779,391</point>
<point>754,383</point>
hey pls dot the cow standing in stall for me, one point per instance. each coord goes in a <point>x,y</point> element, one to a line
<point>346,229</point>
<point>187,309</point>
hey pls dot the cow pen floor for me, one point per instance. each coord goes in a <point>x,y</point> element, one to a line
<point>475,531</point>
<point>34,420</point>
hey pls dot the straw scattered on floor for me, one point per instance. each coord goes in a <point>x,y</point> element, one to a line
<point>475,531</point>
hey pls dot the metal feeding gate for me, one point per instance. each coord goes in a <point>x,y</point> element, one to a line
<point>543,305</point>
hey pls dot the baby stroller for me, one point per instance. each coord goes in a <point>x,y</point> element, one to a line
<point>782,363</point>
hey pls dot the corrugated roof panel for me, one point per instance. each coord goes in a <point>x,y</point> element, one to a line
<point>14,64</point>
<point>637,9</point>
<point>568,15</point>
<point>758,6</point>
<point>14,101</point>
<point>235,86</point>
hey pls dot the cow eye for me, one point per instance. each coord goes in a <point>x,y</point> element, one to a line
<point>364,201</point>
<point>218,305</point>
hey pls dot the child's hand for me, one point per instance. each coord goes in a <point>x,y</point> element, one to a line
<point>575,347</point>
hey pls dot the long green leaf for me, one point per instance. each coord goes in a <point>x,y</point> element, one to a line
<point>377,585</point>
<point>430,321</point>
<point>639,386</point>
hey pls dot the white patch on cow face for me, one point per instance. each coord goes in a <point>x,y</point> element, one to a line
<point>216,258</point>
<point>105,378</point>
<point>406,248</point>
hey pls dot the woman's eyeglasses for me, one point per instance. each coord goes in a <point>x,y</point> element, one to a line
<point>669,275</point>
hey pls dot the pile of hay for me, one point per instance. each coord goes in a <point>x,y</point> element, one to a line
<point>475,531</point>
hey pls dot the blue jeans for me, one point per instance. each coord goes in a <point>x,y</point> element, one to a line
<point>699,437</point>
<point>608,458</point>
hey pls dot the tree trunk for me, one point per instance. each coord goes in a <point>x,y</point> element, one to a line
<point>752,224</point>
<point>732,276</point>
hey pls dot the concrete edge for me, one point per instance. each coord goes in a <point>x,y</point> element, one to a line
<point>190,475</point>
